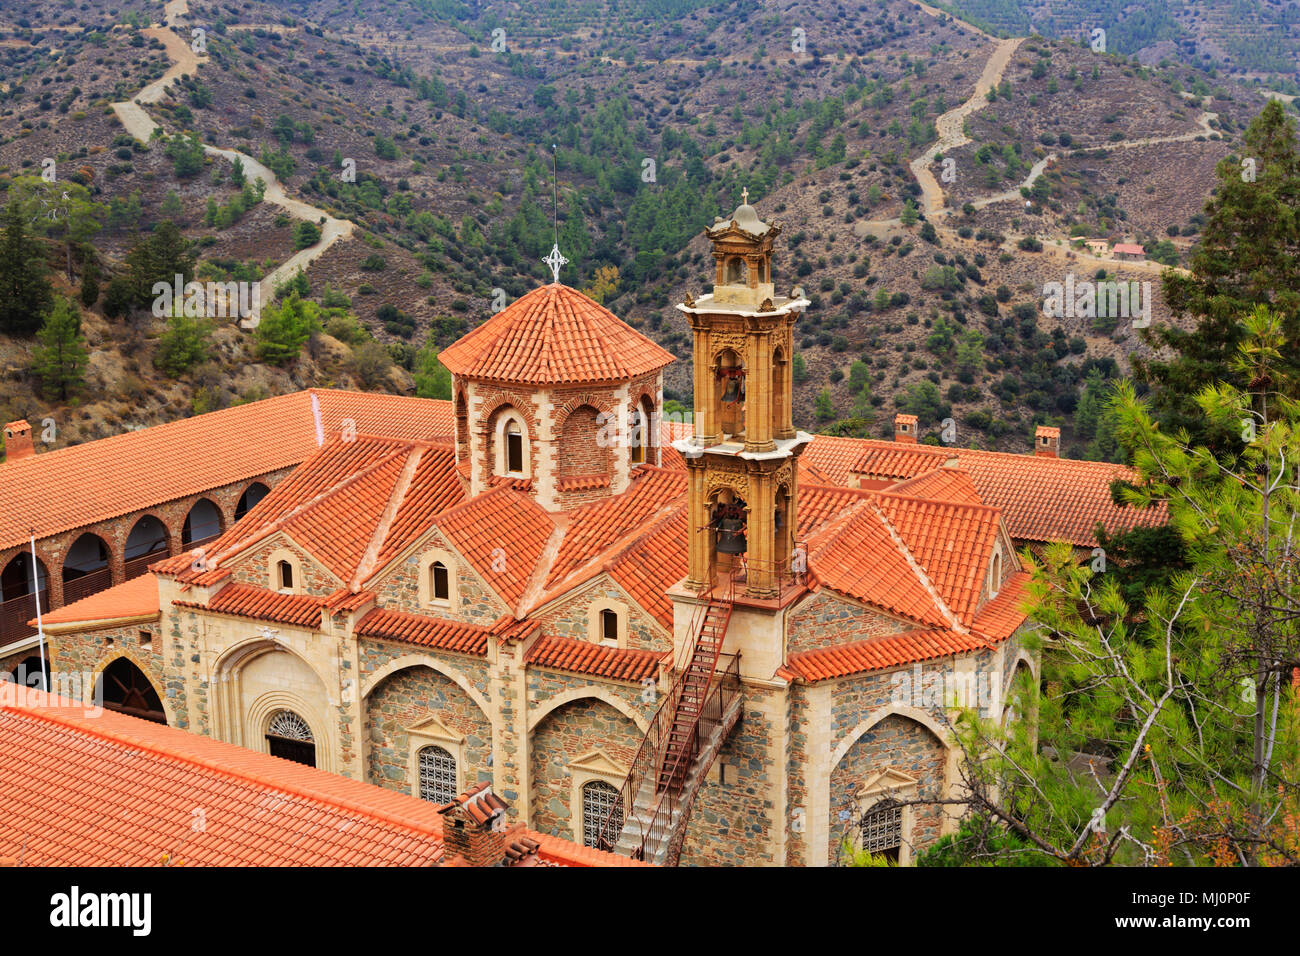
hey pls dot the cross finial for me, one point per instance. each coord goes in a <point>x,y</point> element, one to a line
<point>744,195</point>
<point>556,261</point>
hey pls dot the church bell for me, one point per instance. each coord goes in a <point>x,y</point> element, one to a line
<point>735,388</point>
<point>731,536</point>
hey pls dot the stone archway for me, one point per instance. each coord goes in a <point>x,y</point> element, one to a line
<point>124,688</point>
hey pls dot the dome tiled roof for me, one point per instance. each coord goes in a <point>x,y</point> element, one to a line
<point>554,335</point>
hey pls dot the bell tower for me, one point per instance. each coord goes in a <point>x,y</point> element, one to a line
<point>742,458</point>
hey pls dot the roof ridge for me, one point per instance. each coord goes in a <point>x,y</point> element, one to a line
<point>941,502</point>
<point>921,574</point>
<point>50,714</point>
<point>280,523</point>
<point>536,585</point>
<point>395,497</point>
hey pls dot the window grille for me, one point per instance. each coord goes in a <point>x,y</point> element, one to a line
<point>290,726</point>
<point>882,829</point>
<point>598,798</point>
<point>437,775</point>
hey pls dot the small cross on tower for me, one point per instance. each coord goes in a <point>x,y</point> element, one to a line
<point>556,261</point>
<point>744,195</point>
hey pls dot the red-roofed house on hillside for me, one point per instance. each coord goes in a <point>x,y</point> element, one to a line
<point>624,645</point>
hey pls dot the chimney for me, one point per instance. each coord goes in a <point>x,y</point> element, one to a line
<point>905,428</point>
<point>1047,441</point>
<point>18,441</point>
<point>474,827</point>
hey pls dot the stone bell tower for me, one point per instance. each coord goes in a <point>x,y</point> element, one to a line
<point>742,458</point>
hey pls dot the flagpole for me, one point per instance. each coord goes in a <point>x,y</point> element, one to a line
<point>40,628</point>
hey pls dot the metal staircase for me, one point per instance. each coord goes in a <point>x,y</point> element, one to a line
<point>649,820</point>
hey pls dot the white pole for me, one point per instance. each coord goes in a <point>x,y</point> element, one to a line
<point>40,629</point>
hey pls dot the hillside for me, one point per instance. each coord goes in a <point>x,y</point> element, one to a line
<point>659,114</point>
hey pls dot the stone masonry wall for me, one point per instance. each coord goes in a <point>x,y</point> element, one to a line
<point>828,619</point>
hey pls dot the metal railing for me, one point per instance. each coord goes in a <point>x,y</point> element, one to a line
<point>74,589</point>
<point>783,576</point>
<point>138,566</point>
<point>16,612</point>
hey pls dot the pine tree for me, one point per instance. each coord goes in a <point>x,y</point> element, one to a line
<point>1249,255</point>
<point>285,328</point>
<point>184,343</point>
<point>25,292</point>
<point>159,258</point>
<point>59,358</point>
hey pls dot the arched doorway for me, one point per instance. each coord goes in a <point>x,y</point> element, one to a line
<point>85,569</point>
<point>22,584</point>
<point>28,671</point>
<point>202,524</point>
<point>249,499</point>
<point>147,543</point>
<point>289,736</point>
<point>122,687</point>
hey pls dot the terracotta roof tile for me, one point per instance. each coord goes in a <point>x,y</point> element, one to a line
<point>952,542</point>
<point>554,335</point>
<point>425,631</point>
<point>880,653</point>
<point>262,604</point>
<point>64,489</point>
<point>999,618</point>
<point>502,534</point>
<point>899,460</point>
<point>135,598</point>
<point>658,560</point>
<point>942,484</point>
<point>86,789</point>
<point>586,657</point>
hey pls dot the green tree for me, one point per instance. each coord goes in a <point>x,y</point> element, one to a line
<point>25,292</point>
<point>1249,255</point>
<point>798,369</point>
<point>60,356</point>
<point>825,408</point>
<point>184,343</point>
<point>237,173</point>
<point>1183,703</point>
<point>284,329</point>
<point>909,215</point>
<point>159,257</point>
<point>186,154</point>
<point>305,234</point>
<point>61,210</point>
<point>432,380</point>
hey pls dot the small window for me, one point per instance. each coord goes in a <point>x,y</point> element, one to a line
<point>437,775</point>
<point>514,449</point>
<point>288,736</point>
<point>609,626</point>
<point>881,832</point>
<point>146,641</point>
<point>284,574</point>
<point>440,582</point>
<point>638,438</point>
<point>598,800</point>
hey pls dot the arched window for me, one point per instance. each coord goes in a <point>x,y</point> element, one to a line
<point>249,499</point>
<point>124,688</point>
<point>284,575</point>
<point>439,582</point>
<point>995,574</point>
<point>289,736</point>
<point>514,448</point>
<point>598,799</point>
<point>437,775</point>
<point>637,438</point>
<point>735,271</point>
<point>202,524</point>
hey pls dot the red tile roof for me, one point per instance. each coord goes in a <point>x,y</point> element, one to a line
<point>502,534</point>
<point>136,598</point>
<point>1000,617</point>
<point>60,490</point>
<point>880,653</point>
<point>554,335</point>
<point>262,604</point>
<point>1040,497</point>
<point>952,542</point>
<point>595,660</point>
<point>425,631</point>
<point>658,560</point>
<point>104,789</point>
<point>942,484</point>
<point>354,506</point>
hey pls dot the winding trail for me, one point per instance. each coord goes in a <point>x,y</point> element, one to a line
<point>141,125</point>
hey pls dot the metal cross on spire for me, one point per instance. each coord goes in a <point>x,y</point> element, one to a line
<point>744,195</point>
<point>556,259</point>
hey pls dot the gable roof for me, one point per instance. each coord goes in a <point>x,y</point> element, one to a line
<point>135,599</point>
<point>64,489</point>
<point>353,506</point>
<point>104,789</point>
<point>554,335</point>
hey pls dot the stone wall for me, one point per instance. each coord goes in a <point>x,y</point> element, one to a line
<point>254,567</point>
<point>572,617</point>
<point>828,619</point>
<point>408,697</point>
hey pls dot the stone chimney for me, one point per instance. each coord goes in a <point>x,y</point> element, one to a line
<point>18,441</point>
<point>1047,441</point>
<point>474,827</point>
<point>905,428</point>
